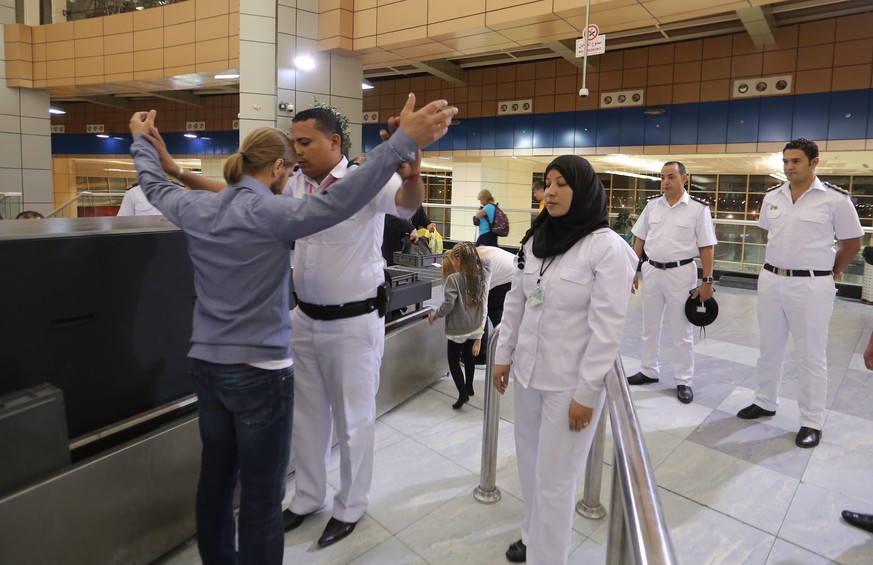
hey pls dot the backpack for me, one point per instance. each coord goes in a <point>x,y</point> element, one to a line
<point>500,226</point>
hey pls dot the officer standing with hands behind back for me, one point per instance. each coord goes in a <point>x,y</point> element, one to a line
<point>674,228</point>
<point>796,290</point>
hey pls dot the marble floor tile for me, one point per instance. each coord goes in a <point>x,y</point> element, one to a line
<point>390,551</point>
<point>301,544</point>
<point>717,538</point>
<point>424,410</point>
<point>753,442</point>
<point>850,432</point>
<point>787,413</point>
<point>411,481</point>
<point>727,351</point>
<point>728,485</point>
<point>784,553</point>
<point>589,552</point>
<point>664,412</point>
<point>842,470</point>
<point>813,522</point>
<point>855,395</point>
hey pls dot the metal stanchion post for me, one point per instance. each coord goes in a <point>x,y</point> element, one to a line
<point>487,491</point>
<point>590,506</point>
<point>617,549</point>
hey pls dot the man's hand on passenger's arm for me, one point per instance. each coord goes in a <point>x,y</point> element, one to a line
<point>189,179</point>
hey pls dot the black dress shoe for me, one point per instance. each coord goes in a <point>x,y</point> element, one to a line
<point>517,552</point>
<point>335,531</point>
<point>753,411</point>
<point>292,520</point>
<point>863,521</point>
<point>684,394</point>
<point>807,437</point>
<point>641,379</point>
<point>461,401</point>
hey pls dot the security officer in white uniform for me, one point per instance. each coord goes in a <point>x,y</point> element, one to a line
<point>674,228</point>
<point>796,288</point>
<point>339,330</point>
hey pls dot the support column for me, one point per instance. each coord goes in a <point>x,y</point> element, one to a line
<point>25,136</point>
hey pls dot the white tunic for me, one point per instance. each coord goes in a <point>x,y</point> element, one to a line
<point>135,203</point>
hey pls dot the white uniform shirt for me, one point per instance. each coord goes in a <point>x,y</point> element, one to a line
<point>344,263</point>
<point>502,264</point>
<point>135,203</point>
<point>570,341</point>
<point>675,233</point>
<point>800,235</point>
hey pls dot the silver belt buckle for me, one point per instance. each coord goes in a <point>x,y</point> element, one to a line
<point>783,272</point>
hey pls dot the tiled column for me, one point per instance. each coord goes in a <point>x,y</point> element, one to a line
<point>335,79</point>
<point>25,137</point>
<point>508,180</point>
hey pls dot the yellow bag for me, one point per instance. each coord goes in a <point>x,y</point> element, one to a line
<point>434,240</point>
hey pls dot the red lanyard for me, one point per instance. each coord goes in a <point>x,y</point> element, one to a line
<point>324,188</point>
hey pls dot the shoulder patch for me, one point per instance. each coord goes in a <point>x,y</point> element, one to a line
<point>771,189</point>
<point>654,197</point>
<point>835,187</point>
<point>698,199</point>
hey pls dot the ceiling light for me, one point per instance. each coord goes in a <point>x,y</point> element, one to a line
<point>655,111</point>
<point>635,175</point>
<point>102,136</point>
<point>779,176</point>
<point>304,63</point>
<point>140,8</point>
<point>191,135</point>
<point>366,85</point>
<point>57,111</point>
<point>226,76</point>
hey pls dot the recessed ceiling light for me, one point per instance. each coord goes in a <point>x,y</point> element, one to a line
<point>191,135</point>
<point>57,111</point>
<point>226,76</point>
<point>304,62</point>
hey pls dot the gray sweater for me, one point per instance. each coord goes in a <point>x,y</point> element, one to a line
<point>460,320</point>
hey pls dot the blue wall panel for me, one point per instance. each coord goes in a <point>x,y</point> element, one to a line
<point>657,130</point>
<point>486,133</point>
<point>584,129</point>
<point>776,117</point>
<point>608,128</point>
<point>870,116</point>
<point>544,131</point>
<point>460,134</point>
<point>503,133</point>
<point>742,126</point>
<point>712,122</point>
<point>810,118</point>
<point>684,123</point>
<point>216,143</point>
<point>633,129</point>
<point>848,115</point>
<point>522,131</point>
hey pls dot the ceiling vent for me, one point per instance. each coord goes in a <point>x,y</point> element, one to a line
<point>766,86</point>
<point>370,118</point>
<point>509,107</point>
<point>622,99</point>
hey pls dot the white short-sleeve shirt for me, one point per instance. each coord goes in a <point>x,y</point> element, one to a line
<point>800,235</point>
<point>675,233</point>
<point>343,263</point>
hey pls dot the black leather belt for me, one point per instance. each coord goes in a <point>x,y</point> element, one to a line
<point>340,311</point>
<point>796,272</point>
<point>672,265</point>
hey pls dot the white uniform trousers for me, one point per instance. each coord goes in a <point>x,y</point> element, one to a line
<point>336,371</point>
<point>551,460</point>
<point>801,306</point>
<point>665,292</point>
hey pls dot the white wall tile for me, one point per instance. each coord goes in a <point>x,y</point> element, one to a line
<point>346,75</point>
<point>257,28</point>
<point>36,152</point>
<point>37,191</point>
<point>255,106</point>
<point>286,20</point>
<point>34,103</point>
<point>10,124</point>
<point>10,155</point>
<point>36,126</point>
<point>259,71</point>
<point>307,24</point>
<point>258,7</point>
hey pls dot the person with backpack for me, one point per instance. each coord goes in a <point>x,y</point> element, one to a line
<point>484,218</point>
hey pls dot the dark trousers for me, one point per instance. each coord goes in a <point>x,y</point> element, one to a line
<point>488,238</point>
<point>456,352</point>
<point>496,297</point>
<point>245,427</point>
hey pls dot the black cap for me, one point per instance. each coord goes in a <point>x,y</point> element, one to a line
<point>701,314</point>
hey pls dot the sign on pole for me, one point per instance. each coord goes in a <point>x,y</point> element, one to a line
<point>596,42</point>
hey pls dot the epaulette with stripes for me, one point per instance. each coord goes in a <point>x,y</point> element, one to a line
<point>835,187</point>
<point>701,200</point>
<point>772,188</point>
<point>654,196</point>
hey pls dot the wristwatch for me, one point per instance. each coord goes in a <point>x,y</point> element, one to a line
<point>706,280</point>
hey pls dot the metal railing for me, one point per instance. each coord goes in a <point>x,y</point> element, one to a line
<point>87,200</point>
<point>637,531</point>
<point>10,204</point>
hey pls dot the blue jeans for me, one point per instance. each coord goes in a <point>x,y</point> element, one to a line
<point>245,427</point>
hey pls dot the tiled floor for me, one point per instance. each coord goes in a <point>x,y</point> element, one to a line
<point>733,491</point>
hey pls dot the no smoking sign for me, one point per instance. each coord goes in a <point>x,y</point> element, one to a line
<point>596,42</point>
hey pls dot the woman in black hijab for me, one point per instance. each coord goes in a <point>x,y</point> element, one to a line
<point>562,326</point>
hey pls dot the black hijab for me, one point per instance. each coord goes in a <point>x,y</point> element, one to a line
<point>588,212</point>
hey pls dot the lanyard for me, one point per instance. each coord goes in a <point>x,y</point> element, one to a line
<point>545,267</point>
<point>324,188</point>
